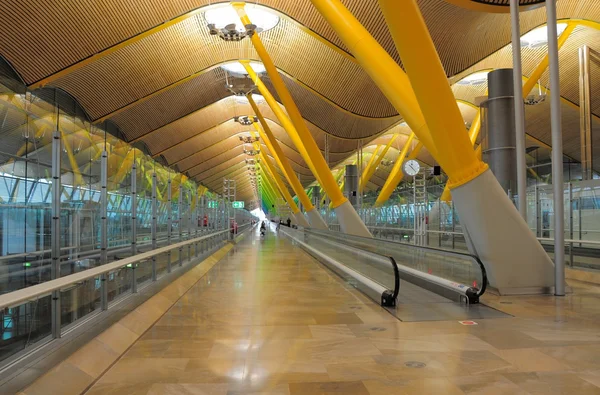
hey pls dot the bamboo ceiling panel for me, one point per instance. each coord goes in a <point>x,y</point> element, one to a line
<point>298,166</point>
<point>330,118</point>
<point>214,161</point>
<point>537,124</point>
<point>170,105</point>
<point>40,38</point>
<point>200,156</point>
<point>293,157</point>
<point>203,91</point>
<point>232,164</point>
<point>186,48</point>
<point>222,111</point>
<point>569,67</point>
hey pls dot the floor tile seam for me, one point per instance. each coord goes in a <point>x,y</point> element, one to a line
<point>229,247</point>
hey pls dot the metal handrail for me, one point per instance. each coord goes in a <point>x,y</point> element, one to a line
<point>388,297</point>
<point>34,292</point>
<point>139,242</point>
<point>478,291</point>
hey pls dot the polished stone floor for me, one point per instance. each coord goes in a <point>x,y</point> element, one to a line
<point>268,319</point>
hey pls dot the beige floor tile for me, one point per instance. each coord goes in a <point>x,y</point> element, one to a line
<point>119,389</point>
<point>188,389</point>
<point>145,370</point>
<point>331,332</point>
<point>551,383</point>
<point>93,358</point>
<point>365,370</point>
<point>439,385</point>
<point>329,388</point>
<point>118,338</point>
<point>487,385</point>
<point>65,379</point>
<point>530,360</point>
<point>269,319</point>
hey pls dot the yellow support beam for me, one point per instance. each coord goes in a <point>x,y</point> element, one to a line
<point>272,172</point>
<point>285,122</point>
<point>428,79</point>
<point>543,65</point>
<point>379,65</point>
<point>279,182</point>
<point>303,138</point>
<point>273,145</point>
<point>82,63</point>
<point>395,175</point>
<point>274,191</point>
<point>367,169</point>
<point>530,83</point>
<point>369,172</point>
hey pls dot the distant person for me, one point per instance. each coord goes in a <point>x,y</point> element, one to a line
<point>289,222</point>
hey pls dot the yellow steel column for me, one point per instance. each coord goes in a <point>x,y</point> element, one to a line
<point>395,175</point>
<point>543,65</point>
<point>379,65</point>
<point>286,123</point>
<point>428,79</point>
<point>269,183</point>
<point>279,182</point>
<point>300,219</point>
<point>367,169</point>
<point>350,221</point>
<point>373,169</point>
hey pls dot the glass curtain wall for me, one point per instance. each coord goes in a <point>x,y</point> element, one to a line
<point>97,175</point>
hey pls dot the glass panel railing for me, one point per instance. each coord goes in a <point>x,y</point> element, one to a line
<point>374,274</point>
<point>450,265</point>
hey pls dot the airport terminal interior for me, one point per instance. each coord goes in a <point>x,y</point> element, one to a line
<point>290,197</point>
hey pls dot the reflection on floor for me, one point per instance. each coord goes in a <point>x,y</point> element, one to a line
<point>269,319</point>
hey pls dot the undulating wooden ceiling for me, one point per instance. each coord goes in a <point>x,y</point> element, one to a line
<point>165,87</point>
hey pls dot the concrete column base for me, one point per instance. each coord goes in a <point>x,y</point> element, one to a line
<point>316,221</point>
<point>350,221</point>
<point>515,261</point>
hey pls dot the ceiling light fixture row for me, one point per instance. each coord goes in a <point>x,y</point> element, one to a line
<point>246,120</point>
<point>249,139</point>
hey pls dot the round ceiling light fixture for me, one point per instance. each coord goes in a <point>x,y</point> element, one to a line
<point>538,37</point>
<point>479,77</point>
<point>236,68</point>
<point>224,14</point>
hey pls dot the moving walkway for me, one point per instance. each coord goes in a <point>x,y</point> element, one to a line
<point>414,283</point>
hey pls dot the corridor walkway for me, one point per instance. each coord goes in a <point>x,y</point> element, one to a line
<point>269,319</point>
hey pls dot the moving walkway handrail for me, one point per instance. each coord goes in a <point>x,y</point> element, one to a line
<point>343,237</point>
<point>388,296</point>
<point>34,292</point>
